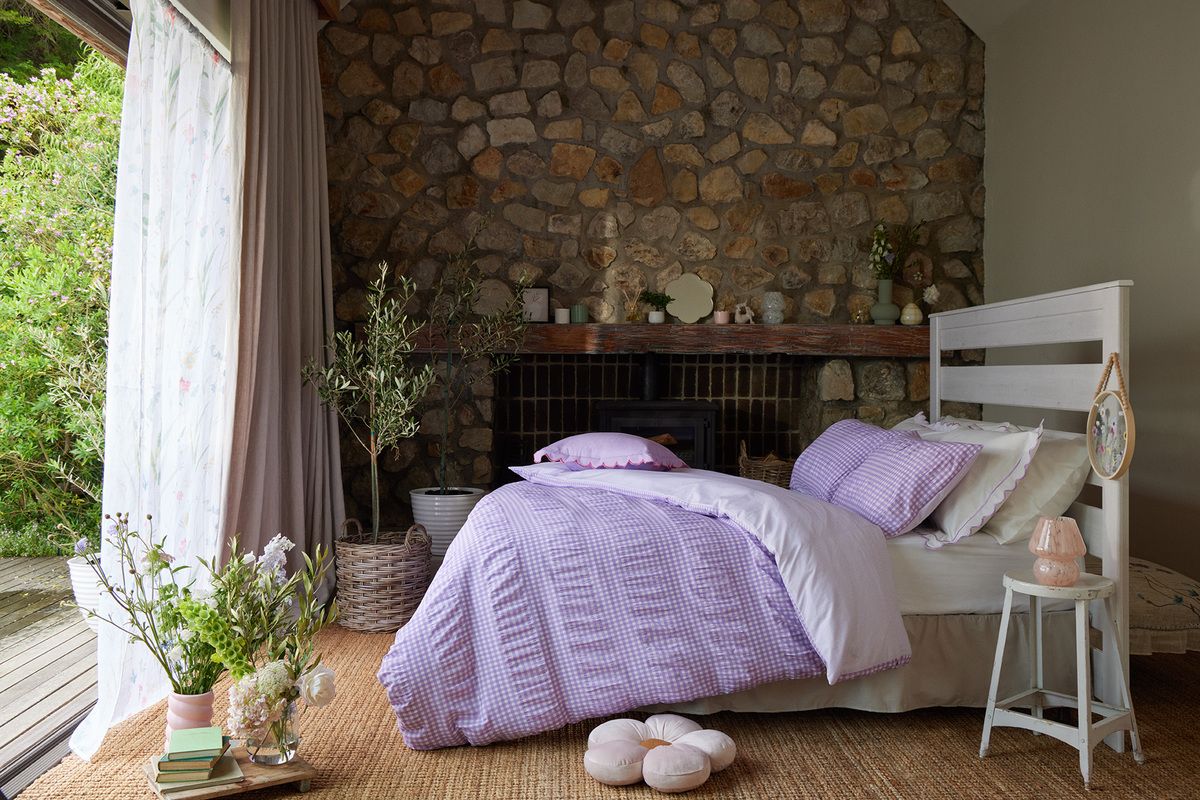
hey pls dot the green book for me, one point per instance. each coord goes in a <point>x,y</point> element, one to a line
<point>195,743</point>
<point>167,764</point>
<point>226,771</point>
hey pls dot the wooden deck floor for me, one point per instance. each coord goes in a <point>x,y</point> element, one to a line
<point>47,660</point>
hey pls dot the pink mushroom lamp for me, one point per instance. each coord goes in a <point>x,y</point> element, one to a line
<point>1057,543</point>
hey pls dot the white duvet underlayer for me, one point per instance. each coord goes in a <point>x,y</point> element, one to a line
<point>961,578</point>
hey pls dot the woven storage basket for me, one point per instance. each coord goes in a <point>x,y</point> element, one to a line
<point>771,469</point>
<point>379,586</point>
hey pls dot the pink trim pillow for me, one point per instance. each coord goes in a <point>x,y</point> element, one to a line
<point>610,451</point>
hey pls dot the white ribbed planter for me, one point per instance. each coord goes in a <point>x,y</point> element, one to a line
<point>443,515</point>
<point>86,587</point>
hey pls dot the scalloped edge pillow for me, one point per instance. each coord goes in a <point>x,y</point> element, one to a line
<point>1001,466</point>
<point>1055,478</point>
<point>610,451</point>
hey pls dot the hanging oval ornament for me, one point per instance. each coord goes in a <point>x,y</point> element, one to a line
<point>1110,429</point>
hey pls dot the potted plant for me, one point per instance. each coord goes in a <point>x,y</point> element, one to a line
<point>149,589</point>
<point>658,302</point>
<point>375,385</point>
<point>471,347</point>
<point>889,248</point>
<point>261,625</point>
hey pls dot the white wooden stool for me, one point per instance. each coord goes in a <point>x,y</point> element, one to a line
<point>1088,734</point>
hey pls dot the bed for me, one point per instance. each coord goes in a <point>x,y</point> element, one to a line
<point>523,631</point>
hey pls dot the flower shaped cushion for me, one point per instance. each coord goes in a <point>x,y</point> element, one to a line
<point>671,753</point>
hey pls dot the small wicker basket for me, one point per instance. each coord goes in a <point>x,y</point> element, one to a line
<point>380,585</point>
<point>771,469</point>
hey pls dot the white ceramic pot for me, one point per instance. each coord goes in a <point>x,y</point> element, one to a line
<point>443,515</point>
<point>657,317</point>
<point>86,588</point>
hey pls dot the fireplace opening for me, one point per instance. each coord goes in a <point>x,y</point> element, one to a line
<point>768,401</point>
<point>686,427</point>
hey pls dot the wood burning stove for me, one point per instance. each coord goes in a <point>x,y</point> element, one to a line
<point>686,427</point>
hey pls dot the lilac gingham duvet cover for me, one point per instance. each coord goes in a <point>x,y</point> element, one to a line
<point>562,603</point>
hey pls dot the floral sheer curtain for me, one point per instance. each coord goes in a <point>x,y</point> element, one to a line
<point>173,323</point>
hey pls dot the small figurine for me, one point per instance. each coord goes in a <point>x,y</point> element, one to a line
<point>743,314</point>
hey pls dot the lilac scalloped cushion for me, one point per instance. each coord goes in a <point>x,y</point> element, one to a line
<point>901,482</point>
<point>610,451</point>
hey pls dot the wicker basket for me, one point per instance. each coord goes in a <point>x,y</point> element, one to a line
<point>771,469</point>
<point>379,586</point>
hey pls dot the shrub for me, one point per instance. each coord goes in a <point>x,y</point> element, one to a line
<point>58,139</point>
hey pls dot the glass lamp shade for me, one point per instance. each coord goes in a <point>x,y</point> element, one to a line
<point>1057,543</point>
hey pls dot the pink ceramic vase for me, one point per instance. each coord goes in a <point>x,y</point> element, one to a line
<point>1057,543</point>
<point>188,711</point>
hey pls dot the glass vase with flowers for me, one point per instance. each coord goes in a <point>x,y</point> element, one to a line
<point>262,625</point>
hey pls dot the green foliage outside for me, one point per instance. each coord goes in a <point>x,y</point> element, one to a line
<point>58,142</point>
<point>31,42</point>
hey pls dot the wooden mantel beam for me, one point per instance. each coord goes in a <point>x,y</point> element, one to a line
<point>846,341</point>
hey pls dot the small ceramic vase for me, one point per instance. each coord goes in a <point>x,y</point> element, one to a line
<point>657,317</point>
<point>188,711</point>
<point>579,313</point>
<point>885,312</point>
<point>721,317</point>
<point>1058,544</point>
<point>911,315</point>
<point>772,308</point>
<point>562,315</point>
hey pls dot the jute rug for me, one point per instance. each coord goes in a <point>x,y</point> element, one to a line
<point>823,754</point>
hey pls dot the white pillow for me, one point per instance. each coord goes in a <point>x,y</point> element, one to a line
<point>996,473</point>
<point>1054,480</point>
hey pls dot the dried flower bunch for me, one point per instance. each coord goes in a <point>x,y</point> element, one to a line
<point>889,247</point>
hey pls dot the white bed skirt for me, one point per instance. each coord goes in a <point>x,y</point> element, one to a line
<point>951,666</point>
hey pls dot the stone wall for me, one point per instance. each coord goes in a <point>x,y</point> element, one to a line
<point>619,144</point>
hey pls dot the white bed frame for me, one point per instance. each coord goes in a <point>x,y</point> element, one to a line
<point>1097,313</point>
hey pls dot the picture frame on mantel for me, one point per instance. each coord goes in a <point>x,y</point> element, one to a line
<point>536,303</point>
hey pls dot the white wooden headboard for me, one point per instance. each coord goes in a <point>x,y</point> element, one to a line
<point>1097,313</point>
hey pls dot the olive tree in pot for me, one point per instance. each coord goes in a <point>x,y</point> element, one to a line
<point>375,384</point>
<point>473,345</point>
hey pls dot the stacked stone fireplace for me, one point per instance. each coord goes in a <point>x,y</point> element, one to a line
<point>612,145</point>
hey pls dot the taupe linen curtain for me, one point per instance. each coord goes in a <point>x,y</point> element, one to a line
<point>285,472</point>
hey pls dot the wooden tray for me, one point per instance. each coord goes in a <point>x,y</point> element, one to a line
<point>255,776</point>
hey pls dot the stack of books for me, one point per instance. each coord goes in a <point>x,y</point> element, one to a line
<point>195,758</point>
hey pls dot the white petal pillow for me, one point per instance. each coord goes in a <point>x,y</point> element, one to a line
<point>997,471</point>
<point>676,768</point>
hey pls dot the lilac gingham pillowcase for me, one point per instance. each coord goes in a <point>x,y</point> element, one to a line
<point>610,451</point>
<point>837,451</point>
<point>902,482</point>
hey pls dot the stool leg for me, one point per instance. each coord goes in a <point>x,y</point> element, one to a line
<point>1083,667</point>
<point>1001,640</point>
<point>1035,655</point>
<point>1126,695</point>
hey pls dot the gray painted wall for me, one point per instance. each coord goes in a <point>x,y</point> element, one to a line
<point>1093,173</point>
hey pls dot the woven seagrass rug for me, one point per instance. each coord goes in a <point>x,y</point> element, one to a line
<point>830,754</point>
